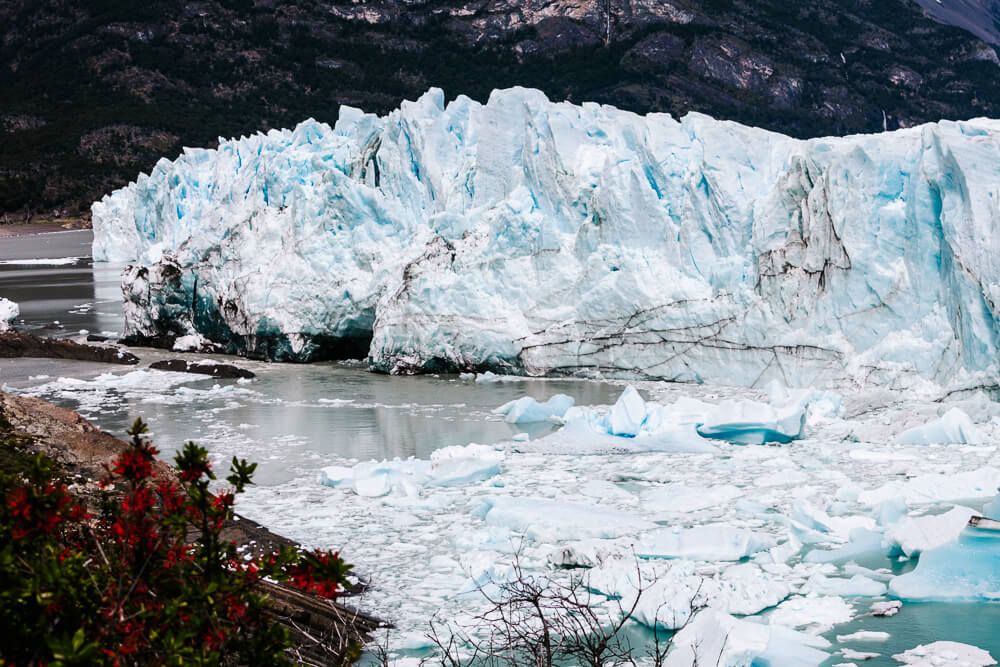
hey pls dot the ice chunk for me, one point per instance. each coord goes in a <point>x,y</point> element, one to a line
<point>681,498</point>
<point>8,313</point>
<point>526,409</point>
<point>586,433</point>
<point>817,614</point>
<point>914,535</point>
<point>671,592</point>
<point>754,423</point>
<point>864,636</point>
<point>954,427</point>
<point>887,608</point>
<point>965,569</point>
<point>946,654</point>
<point>550,520</point>
<point>716,638</point>
<point>858,585</point>
<point>627,414</point>
<point>862,542</point>
<point>192,343</point>
<point>934,488</point>
<point>991,510</point>
<point>710,542</point>
<point>448,466</point>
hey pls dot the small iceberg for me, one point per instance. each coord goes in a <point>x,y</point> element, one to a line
<point>946,654</point>
<point>954,427</point>
<point>527,410</point>
<point>715,638</point>
<point>449,466</point>
<point>965,569</point>
<point>710,543</point>
<point>544,520</point>
<point>8,313</point>
<point>752,423</point>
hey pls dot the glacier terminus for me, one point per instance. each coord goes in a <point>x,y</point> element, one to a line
<point>531,237</point>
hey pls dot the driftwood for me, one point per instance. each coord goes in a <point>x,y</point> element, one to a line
<point>21,344</point>
<point>321,630</point>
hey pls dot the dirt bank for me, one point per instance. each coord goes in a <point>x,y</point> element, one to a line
<point>320,629</point>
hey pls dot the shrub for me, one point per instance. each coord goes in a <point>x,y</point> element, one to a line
<point>147,578</point>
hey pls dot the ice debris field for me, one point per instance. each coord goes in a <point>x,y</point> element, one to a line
<point>785,527</point>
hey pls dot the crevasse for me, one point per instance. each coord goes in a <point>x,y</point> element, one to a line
<point>536,237</point>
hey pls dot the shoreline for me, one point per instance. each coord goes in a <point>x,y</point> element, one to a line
<point>43,227</point>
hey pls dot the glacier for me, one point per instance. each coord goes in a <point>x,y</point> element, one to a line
<point>532,237</point>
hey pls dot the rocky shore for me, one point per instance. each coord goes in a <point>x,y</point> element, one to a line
<point>321,630</point>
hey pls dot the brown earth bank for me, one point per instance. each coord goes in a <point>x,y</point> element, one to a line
<point>321,630</point>
<point>22,344</point>
<point>10,227</point>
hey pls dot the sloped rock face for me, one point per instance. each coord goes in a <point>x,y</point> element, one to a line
<point>535,237</point>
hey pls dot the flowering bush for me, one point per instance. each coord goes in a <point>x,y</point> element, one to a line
<point>145,579</point>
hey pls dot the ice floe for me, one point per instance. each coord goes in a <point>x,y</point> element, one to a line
<point>952,427</point>
<point>527,409</point>
<point>946,654</point>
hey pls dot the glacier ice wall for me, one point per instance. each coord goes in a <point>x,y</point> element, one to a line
<point>539,237</point>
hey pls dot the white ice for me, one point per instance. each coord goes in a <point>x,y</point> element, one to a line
<point>8,313</point>
<point>952,427</point>
<point>946,654</point>
<point>526,409</point>
<point>716,638</point>
<point>529,236</point>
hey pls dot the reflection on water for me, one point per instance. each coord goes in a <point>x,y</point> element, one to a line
<point>297,416</point>
<point>78,295</point>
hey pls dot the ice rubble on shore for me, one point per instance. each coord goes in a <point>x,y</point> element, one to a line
<point>532,236</point>
<point>8,313</point>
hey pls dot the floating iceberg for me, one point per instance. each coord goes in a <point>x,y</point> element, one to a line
<point>954,427</point>
<point>912,536</point>
<point>934,488</point>
<point>551,520</point>
<point>527,410</point>
<point>665,597</point>
<point>753,423</point>
<point>964,569</point>
<point>716,638</point>
<point>528,236</point>
<point>711,542</point>
<point>449,466</point>
<point>688,425</point>
<point>8,313</point>
<point>946,654</point>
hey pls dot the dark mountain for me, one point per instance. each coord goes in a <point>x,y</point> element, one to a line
<point>94,91</point>
<point>980,17</point>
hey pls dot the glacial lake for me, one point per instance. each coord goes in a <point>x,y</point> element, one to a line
<point>422,552</point>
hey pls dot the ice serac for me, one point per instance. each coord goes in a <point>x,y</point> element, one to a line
<point>527,236</point>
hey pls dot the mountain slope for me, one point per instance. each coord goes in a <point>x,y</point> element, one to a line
<point>96,91</point>
<point>980,17</point>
